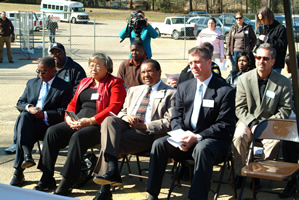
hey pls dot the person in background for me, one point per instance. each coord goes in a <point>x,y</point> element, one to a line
<point>6,33</point>
<point>52,26</point>
<point>274,33</point>
<point>42,105</point>
<point>245,62</point>
<point>129,70</point>
<point>66,69</point>
<point>147,32</point>
<point>241,37</point>
<point>95,98</point>
<point>215,37</point>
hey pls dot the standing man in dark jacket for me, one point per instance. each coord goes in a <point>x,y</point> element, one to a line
<point>6,32</point>
<point>274,33</point>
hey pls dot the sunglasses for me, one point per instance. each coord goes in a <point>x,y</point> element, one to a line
<point>42,72</point>
<point>238,17</point>
<point>262,57</point>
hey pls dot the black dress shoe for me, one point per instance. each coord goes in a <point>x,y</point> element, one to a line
<point>103,196</point>
<point>45,186</point>
<point>17,180</point>
<point>28,161</point>
<point>288,191</point>
<point>109,178</point>
<point>64,193</point>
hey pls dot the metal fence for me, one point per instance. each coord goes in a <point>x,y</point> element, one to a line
<point>82,40</point>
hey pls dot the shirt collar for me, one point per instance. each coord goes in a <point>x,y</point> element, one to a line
<point>155,87</point>
<point>50,81</point>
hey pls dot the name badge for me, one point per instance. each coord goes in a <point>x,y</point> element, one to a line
<point>208,103</point>
<point>67,79</point>
<point>159,95</point>
<point>270,94</point>
<point>95,96</point>
<point>246,32</point>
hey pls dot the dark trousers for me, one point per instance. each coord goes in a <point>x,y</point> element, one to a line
<point>61,135</point>
<point>28,131</point>
<point>204,154</point>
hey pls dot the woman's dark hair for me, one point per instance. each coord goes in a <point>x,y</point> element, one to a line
<point>249,56</point>
<point>214,20</point>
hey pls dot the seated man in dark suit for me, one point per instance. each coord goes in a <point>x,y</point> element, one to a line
<point>205,106</point>
<point>145,116</point>
<point>42,104</point>
<point>129,70</point>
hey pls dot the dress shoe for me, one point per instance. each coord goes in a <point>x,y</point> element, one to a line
<point>64,193</point>
<point>109,178</point>
<point>288,191</point>
<point>103,196</point>
<point>17,180</point>
<point>11,150</point>
<point>45,186</point>
<point>28,161</point>
<point>11,61</point>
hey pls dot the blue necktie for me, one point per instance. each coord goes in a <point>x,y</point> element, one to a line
<point>45,92</point>
<point>196,106</point>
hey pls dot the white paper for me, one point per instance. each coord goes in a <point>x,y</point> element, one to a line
<point>223,66</point>
<point>172,76</point>
<point>176,137</point>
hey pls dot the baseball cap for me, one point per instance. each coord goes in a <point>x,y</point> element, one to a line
<point>57,45</point>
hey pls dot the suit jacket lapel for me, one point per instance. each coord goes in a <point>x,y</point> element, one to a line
<point>37,87</point>
<point>134,98</point>
<point>254,87</point>
<point>190,94</point>
<point>271,86</point>
<point>51,92</point>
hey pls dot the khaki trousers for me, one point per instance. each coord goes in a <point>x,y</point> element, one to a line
<point>241,139</point>
<point>6,40</point>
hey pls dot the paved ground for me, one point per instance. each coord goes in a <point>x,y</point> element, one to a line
<point>13,78</point>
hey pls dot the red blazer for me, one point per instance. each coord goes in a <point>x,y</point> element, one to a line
<point>112,96</point>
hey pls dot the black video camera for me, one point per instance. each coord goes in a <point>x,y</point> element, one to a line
<point>137,22</point>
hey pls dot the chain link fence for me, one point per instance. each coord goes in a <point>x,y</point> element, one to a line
<point>102,35</point>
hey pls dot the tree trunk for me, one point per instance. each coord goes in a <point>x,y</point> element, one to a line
<point>190,2</point>
<point>207,6</point>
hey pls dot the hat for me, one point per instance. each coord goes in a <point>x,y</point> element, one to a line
<point>57,45</point>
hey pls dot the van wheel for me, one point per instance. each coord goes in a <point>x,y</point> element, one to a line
<point>74,20</point>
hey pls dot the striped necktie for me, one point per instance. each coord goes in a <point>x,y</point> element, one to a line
<point>143,105</point>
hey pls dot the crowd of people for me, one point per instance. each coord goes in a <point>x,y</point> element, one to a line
<point>133,112</point>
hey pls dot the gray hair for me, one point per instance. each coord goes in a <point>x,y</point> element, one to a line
<point>268,46</point>
<point>101,56</point>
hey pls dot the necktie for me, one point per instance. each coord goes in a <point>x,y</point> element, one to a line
<point>196,106</point>
<point>143,105</point>
<point>45,92</point>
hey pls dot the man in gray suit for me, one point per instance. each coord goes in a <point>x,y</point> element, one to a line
<point>261,94</point>
<point>133,132</point>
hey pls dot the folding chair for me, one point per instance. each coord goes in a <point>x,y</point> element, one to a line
<point>190,163</point>
<point>280,129</point>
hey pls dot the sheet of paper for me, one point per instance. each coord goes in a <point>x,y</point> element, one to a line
<point>223,66</point>
<point>176,137</point>
<point>172,76</point>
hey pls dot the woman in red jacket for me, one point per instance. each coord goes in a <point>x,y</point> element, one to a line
<point>95,98</point>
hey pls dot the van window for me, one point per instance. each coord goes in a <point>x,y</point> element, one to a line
<point>66,8</point>
<point>49,6</point>
<point>61,8</point>
<point>53,6</point>
<point>57,7</point>
<point>44,5</point>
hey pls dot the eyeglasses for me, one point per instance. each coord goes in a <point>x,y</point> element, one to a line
<point>262,57</point>
<point>150,72</point>
<point>95,66</point>
<point>238,18</point>
<point>42,72</point>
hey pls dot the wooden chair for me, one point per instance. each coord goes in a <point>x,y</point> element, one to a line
<point>227,161</point>
<point>278,129</point>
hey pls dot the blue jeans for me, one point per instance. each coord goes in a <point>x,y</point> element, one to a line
<point>52,34</point>
<point>233,59</point>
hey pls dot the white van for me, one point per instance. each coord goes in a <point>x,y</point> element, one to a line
<point>69,11</point>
